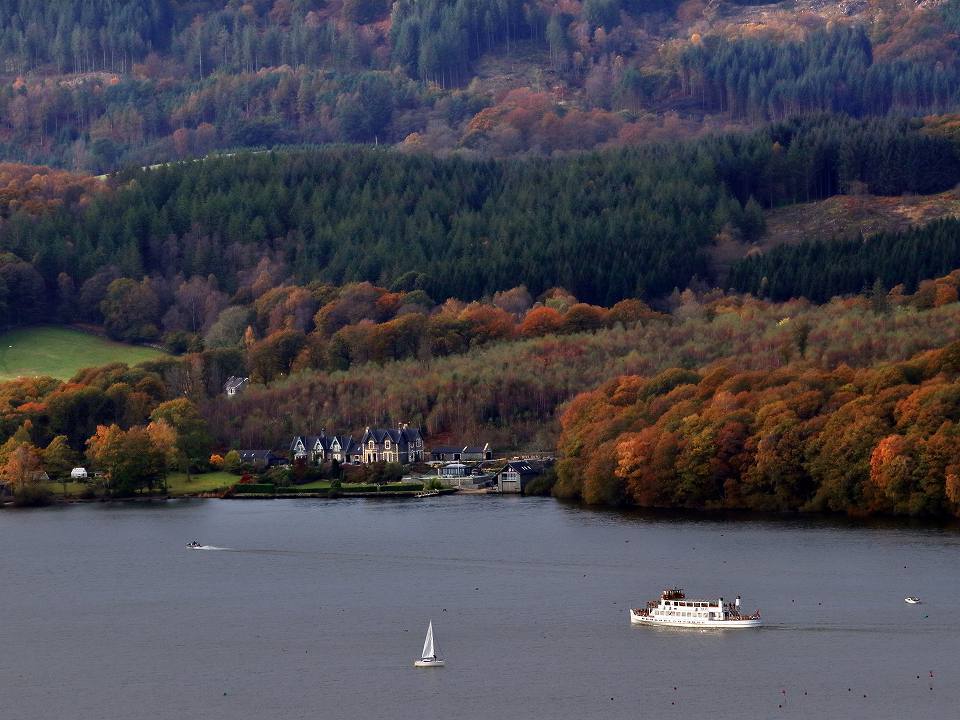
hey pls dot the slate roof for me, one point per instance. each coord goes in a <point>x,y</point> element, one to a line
<point>526,467</point>
<point>348,445</point>
<point>399,436</point>
<point>250,456</point>
<point>234,383</point>
<point>310,442</point>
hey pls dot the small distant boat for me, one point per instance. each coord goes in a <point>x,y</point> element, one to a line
<point>427,493</point>
<point>674,609</point>
<point>430,656</point>
<point>912,600</point>
<point>194,545</point>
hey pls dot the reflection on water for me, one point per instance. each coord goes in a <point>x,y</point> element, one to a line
<point>317,609</point>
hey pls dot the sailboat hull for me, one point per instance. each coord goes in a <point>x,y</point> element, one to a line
<point>428,663</point>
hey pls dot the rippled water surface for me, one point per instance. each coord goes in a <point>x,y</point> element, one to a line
<point>316,609</point>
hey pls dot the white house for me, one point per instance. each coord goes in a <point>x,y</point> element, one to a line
<point>78,473</point>
<point>234,385</point>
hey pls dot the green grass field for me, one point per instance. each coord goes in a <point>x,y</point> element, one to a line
<point>59,352</point>
<point>317,485</point>
<point>207,482</point>
<point>74,489</point>
<point>177,484</point>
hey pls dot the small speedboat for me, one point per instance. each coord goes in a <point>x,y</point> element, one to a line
<point>430,657</point>
<point>194,545</point>
<point>912,600</point>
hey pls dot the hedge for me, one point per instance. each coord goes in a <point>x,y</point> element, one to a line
<point>296,490</point>
<point>370,488</point>
<point>255,489</point>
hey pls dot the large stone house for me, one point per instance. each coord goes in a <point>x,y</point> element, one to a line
<point>344,449</point>
<point>402,445</point>
<point>317,449</point>
<point>310,449</point>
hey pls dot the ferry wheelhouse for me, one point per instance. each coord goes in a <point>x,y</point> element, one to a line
<point>675,609</point>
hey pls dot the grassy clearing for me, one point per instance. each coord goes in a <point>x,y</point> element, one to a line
<point>846,216</point>
<point>74,489</point>
<point>60,352</point>
<point>318,485</point>
<point>839,217</point>
<point>177,483</point>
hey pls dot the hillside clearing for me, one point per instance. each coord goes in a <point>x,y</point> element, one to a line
<point>60,352</point>
<point>838,218</point>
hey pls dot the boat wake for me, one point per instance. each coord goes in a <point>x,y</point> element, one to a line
<point>206,547</point>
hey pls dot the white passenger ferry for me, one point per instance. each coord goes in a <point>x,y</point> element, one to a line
<point>674,609</point>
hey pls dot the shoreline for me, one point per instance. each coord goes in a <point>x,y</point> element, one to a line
<point>891,522</point>
<point>408,494</point>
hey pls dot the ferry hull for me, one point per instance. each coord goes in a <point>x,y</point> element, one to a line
<point>636,619</point>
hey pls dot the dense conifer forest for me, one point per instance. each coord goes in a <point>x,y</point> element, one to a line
<point>821,270</point>
<point>604,226</point>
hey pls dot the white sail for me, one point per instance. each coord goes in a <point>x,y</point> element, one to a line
<point>428,650</point>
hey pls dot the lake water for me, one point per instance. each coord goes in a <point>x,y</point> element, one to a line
<point>318,609</point>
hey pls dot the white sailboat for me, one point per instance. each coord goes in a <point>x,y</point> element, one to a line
<point>429,657</point>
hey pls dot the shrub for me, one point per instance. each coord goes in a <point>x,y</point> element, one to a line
<point>31,495</point>
<point>542,485</point>
<point>277,476</point>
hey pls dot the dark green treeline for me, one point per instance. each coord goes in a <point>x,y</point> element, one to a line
<point>820,270</point>
<point>605,225</point>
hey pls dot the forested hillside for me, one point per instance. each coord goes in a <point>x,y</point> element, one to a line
<point>510,388</point>
<point>463,213</point>
<point>603,226</point>
<point>95,85</point>
<point>514,389</point>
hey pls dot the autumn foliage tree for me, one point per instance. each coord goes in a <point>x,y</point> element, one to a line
<point>796,438</point>
<point>131,459</point>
